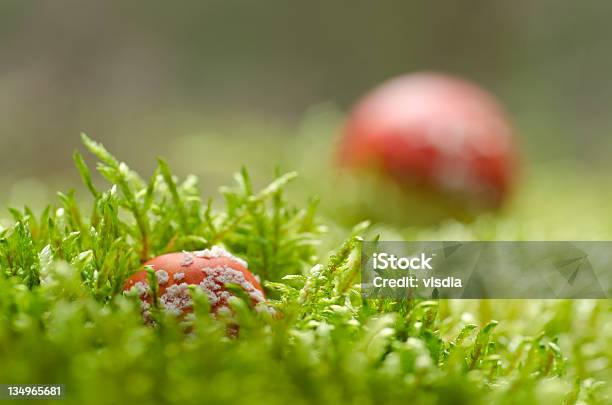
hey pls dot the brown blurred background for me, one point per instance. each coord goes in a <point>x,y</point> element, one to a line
<point>142,75</point>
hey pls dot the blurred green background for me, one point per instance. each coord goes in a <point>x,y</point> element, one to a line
<point>215,84</point>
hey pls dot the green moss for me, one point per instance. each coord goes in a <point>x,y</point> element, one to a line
<point>64,320</point>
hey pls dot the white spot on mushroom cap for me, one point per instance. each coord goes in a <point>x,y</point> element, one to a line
<point>215,279</point>
<point>176,299</point>
<point>218,251</point>
<point>145,309</point>
<point>187,259</point>
<point>141,288</point>
<point>162,276</point>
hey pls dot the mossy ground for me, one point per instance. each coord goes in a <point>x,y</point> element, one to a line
<point>64,320</point>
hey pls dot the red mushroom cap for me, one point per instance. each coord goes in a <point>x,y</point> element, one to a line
<point>435,130</point>
<point>208,269</point>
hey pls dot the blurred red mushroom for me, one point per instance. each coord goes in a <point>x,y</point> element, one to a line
<point>437,131</point>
